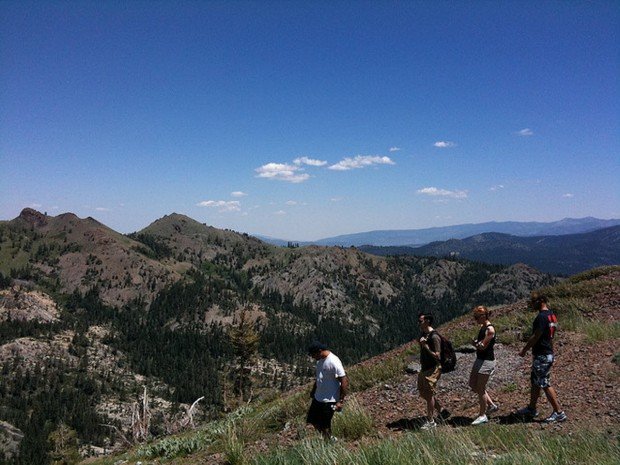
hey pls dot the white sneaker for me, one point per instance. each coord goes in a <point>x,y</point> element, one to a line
<point>430,424</point>
<point>480,420</point>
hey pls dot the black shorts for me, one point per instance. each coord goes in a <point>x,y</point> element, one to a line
<point>320,414</point>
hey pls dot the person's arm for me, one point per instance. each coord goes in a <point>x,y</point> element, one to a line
<point>344,390</point>
<point>435,342</point>
<point>487,339</point>
<point>531,341</point>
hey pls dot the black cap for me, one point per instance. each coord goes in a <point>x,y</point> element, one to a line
<point>315,347</point>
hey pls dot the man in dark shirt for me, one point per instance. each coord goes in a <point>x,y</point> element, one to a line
<point>430,370</point>
<point>541,343</point>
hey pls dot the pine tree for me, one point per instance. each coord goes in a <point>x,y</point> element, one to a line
<point>244,339</point>
<point>64,444</point>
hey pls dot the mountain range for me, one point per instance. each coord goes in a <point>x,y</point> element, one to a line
<point>566,254</point>
<point>418,237</point>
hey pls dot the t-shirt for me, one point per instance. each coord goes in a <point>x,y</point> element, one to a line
<point>427,361</point>
<point>546,322</point>
<point>327,386</point>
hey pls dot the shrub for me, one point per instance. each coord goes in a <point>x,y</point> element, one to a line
<point>353,422</point>
<point>233,447</point>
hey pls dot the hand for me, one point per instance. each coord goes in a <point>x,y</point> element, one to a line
<point>422,340</point>
<point>339,406</point>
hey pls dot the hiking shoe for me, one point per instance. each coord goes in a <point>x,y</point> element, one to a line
<point>430,424</point>
<point>333,439</point>
<point>444,414</point>
<point>556,417</point>
<point>480,420</point>
<point>492,408</point>
<point>527,412</point>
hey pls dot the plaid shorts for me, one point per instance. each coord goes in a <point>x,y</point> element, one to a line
<point>541,370</point>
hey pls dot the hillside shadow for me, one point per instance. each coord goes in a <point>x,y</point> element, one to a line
<point>407,423</point>
<point>458,421</point>
<point>413,424</point>
<point>513,419</point>
<point>417,422</point>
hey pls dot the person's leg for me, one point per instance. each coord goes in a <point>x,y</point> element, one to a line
<point>483,398</point>
<point>430,405</point>
<point>326,420</point>
<point>426,393</point>
<point>534,395</point>
<point>472,378</point>
<point>552,397</point>
<point>539,374</point>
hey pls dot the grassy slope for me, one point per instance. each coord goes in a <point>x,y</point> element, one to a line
<point>587,308</point>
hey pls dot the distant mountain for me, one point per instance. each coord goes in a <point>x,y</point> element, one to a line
<point>418,237</point>
<point>566,254</point>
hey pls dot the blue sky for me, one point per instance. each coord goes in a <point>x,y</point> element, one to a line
<point>303,120</point>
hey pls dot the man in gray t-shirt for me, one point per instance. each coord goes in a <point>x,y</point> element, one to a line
<point>329,390</point>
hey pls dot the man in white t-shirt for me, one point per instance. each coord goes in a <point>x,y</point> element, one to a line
<point>329,391</point>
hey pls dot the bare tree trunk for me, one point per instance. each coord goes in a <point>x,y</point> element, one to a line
<point>190,412</point>
<point>141,419</point>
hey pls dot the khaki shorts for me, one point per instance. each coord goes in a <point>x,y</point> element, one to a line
<point>427,381</point>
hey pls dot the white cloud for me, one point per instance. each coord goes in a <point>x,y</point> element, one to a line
<point>525,132</point>
<point>35,205</point>
<point>497,187</point>
<point>238,194</point>
<point>336,199</point>
<point>280,212</point>
<point>394,149</point>
<point>444,144</point>
<point>568,195</point>
<point>361,161</point>
<point>281,172</point>
<point>102,209</point>
<point>223,205</point>
<point>434,192</point>
<point>291,202</point>
<point>309,161</point>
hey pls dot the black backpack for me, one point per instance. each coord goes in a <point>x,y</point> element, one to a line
<point>447,357</point>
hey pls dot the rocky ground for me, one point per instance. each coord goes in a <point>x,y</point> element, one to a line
<point>587,395</point>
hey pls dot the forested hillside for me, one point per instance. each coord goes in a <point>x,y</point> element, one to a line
<point>89,318</point>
